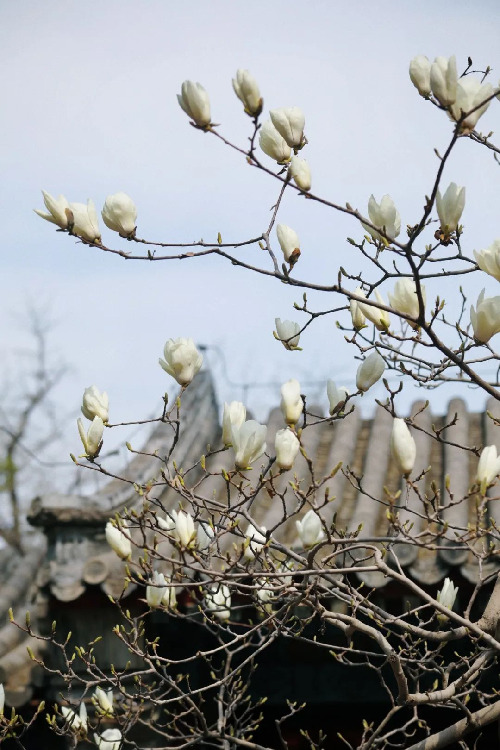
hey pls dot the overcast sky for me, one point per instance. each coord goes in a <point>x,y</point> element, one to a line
<point>89,108</point>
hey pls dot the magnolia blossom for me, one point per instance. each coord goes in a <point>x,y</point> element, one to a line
<point>289,122</point>
<point>447,597</point>
<point>288,332</point>
<point>292,403</point>
<point>249,443</point>
<point>485,318</point>
<point>167,523</point>
<point>287,446</point>
<point>403,448</point>
<point>2,699</point>
<point>273,144</point>
<point>335,395</point>
<point>104,700</point>
<point>289,243</point>
<point>59,212</point>
<point>85,221</point>
<point>204,536</point>
<point>117,540</point>
<point>194,100</point>
<point>182,360</point>
<point>254,541</point>
<point>218,600</point>
<point>450,207</point>
<point>404,298</point>
<point>489,260</point>
<point>358,318</point>
<point>444,80</point>
<point>110,739</point>
<point>420,74</point>
<point>310,529</point>
<point>246,89</point>
<point>379,318</point>
<point>470,94</point>
<point>488,467</point>
<point>95,404</point>
<point>369,371</point>
<point>120,214</point>
<point>184,528</point>
<point>385,216</point>
<point>92,440</point>
<point>169,597</point>
<point>234,415</point>
<point>77,721</point>
<point>265,592</point>
<point>300,172</point>
<point>156,590</point>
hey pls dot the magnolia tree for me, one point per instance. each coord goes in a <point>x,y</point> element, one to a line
<point>435,654</point>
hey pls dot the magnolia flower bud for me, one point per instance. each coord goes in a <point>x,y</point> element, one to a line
<point>310,529</point>
<point>450,207</point>
<point>403,448</point>
<point>117,540</point>
<point>289,122</point>
<point>204,536</point>
<point>110,739</point>
<point>444,80</point>
<point>404,298</point>
<point>2,698</point>
<point>58,210</point>
<point>182,360</point>
<point>254,541</point>
<point>287,446</point>
<point>385,216</point>
<point>420,74</point>
<point>218,600</point>
<point>246,89</point>
<point>76,721</point>
<point>92,440</point>
<point>120,214</point>
<point>156,590</point>
<point>249,443</point>
<point>85,221</point>
<point>488,467</point>
<point>273,144</point>
<point>95,404</point>
<point>184,528</point>
<point>470,94</point>
<point>447,597</point>
<point>379,318</point>
<point>169,597</point>
<point>485,318</point>
<point>292,403</point>
<point>369,371</point>
<point>194,100</point>
<point>289,243</point>
<point>300,172</point>
<point>104,700</point>
<point>489,260</point>
<point>357,316</point>
<point>335,395</point>
<point>288,333</point>
<point>234,415</point>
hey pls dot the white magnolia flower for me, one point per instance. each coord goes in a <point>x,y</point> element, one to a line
<point>2,698</point>
<point>447,597</point>
<point>77,721</point>
<point>249,443</point>
<point>450,207</point>
<point>300,172</point>
<point>403,448</point>
<point>182,360</point>
<point>254,541</point>
<point>470,94</point>
<point>489,260</point>
<point>287,446</point>
<point>85,221</point>
<point>246,89</point>
<point>104,700</point>
<point>420,74</point>
<point>444,80</point>
<point>289,243</point>
<point>358,318</point>
<point>95,404</point>
<point>120,214</point>
<point>168,523</point>
<point>385,216</point>
<point>110,739</point>
<point>58,210</point>
<point>273,144</point>
<point>218,600</point>
<point>288,332</point>
<point>117,540</point>
<point>156,590</point>
<point>404,298</point>
<point>488,467</point>
<point>194,100</point>
<point>92,439</point>
<point>335,395</point>
<point>204,536</point>
<point>380,318</point>
<point>485,318</point>
<point>292,403</point>
<point>234,415</point>
<point>184,528</point>
<point>169,597</point>
<point>369,371</point>
<point>289,122</point>
<point>310,529</point>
